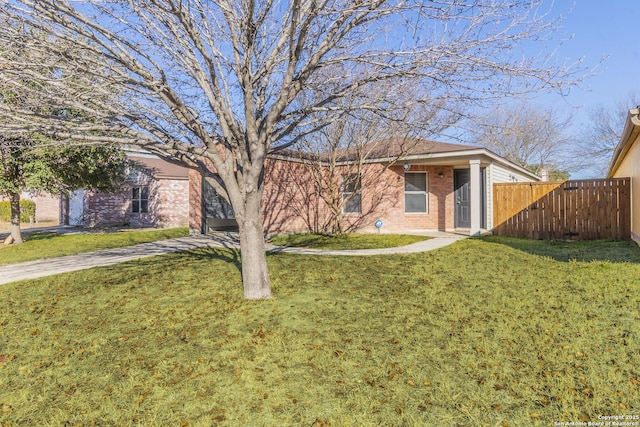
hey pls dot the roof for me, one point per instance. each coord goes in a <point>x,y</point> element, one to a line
<point>413,151</point>
<point>382,150</point>
<point>396,148</point>
<point>630,134</point>
<point>159,168</point>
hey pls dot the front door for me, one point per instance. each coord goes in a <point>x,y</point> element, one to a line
<point>462,195</point>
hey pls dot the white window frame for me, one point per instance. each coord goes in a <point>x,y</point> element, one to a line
<point>346,194</point>
<point>139,200</point>
<point>424,193</point>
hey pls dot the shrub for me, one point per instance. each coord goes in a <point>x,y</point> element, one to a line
<point>27,210</point>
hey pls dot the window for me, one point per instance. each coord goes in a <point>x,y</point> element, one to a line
<point>415,192</point>
<point>350,185</point>
<point>140,199</point>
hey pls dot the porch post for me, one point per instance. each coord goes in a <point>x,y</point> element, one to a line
<point>475,190</point>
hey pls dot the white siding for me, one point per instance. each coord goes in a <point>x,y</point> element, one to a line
<point>497,174</point>
<point>502,174</point>
<point>630,167</point>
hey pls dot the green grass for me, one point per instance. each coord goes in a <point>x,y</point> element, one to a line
<point>562,250</point>
<point>346,241</point>
<point>475,334</point>
<point>40,245</point>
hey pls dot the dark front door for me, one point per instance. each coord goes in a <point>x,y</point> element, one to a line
<point>462,195</point>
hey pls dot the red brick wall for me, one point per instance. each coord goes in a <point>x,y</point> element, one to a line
<point>291,203</point>
<point>383,198</point>
<point>168,206</point>
<point>440,206</point>
<point>102,209</point>
<point>172,203</point>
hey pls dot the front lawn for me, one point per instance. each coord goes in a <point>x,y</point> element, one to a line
<point>40,245</point>
<point>479,333</point>
<point>346,241</point>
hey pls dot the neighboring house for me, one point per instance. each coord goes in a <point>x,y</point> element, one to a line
<point>626,163</point>
<point>47,207</point>
<point>156,194</point>
<point>431,186</point>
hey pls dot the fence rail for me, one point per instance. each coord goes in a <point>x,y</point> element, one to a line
<point>578,210</point>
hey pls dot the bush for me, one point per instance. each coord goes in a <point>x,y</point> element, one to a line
<point>27,210</point>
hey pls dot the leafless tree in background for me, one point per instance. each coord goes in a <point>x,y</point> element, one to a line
<point>533,138</point>
<point>601,136</point>
<point>31,160</point>
<point>224,81</point>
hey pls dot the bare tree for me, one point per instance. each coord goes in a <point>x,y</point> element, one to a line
<point>344,159</point>
<point>603,132</point>
<point>533,138</point>
<point>224,81</point>
<point>32,161</point>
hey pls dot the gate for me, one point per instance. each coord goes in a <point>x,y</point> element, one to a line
<point>218,212</point>
<point>579,210</point>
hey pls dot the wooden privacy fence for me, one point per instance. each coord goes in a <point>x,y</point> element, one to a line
<point>579,210</point>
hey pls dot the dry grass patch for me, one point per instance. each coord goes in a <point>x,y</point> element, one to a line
<point>41,245</point>
<point>477,333</point>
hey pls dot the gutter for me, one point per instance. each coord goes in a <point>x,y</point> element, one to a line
<point>418,158</point>
<point>460,153</point>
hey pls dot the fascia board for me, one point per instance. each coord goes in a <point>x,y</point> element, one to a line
<point>629,135</point>
<point>462,154</point>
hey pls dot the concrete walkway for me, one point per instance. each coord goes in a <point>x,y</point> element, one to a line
<point>49,266</point>
<point>439,240</point>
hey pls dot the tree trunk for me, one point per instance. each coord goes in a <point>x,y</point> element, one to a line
<point>255,275</point>
<point>16,233</point>
<point>335,223</point>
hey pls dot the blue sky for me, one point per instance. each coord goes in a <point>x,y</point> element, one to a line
<point>606,35</point>
<point>600,29</point>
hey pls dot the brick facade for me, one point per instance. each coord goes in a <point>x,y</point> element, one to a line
<point>196,218</point>
<point>168,200</point>
<point>288,203</point>
<point>168,205</point>
<point>291,202</point>
<point>385,200</point>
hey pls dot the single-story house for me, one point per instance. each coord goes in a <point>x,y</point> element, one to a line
<point>429,186</point>
<point>156,194</point>
<point>424,185</point>
<point>626,163</point>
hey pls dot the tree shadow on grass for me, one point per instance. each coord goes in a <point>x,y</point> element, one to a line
<point>227,255</point>
<point>39,235</point>
<point>315,240</point>
<point>35,234</point>
<point>616,251</point>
